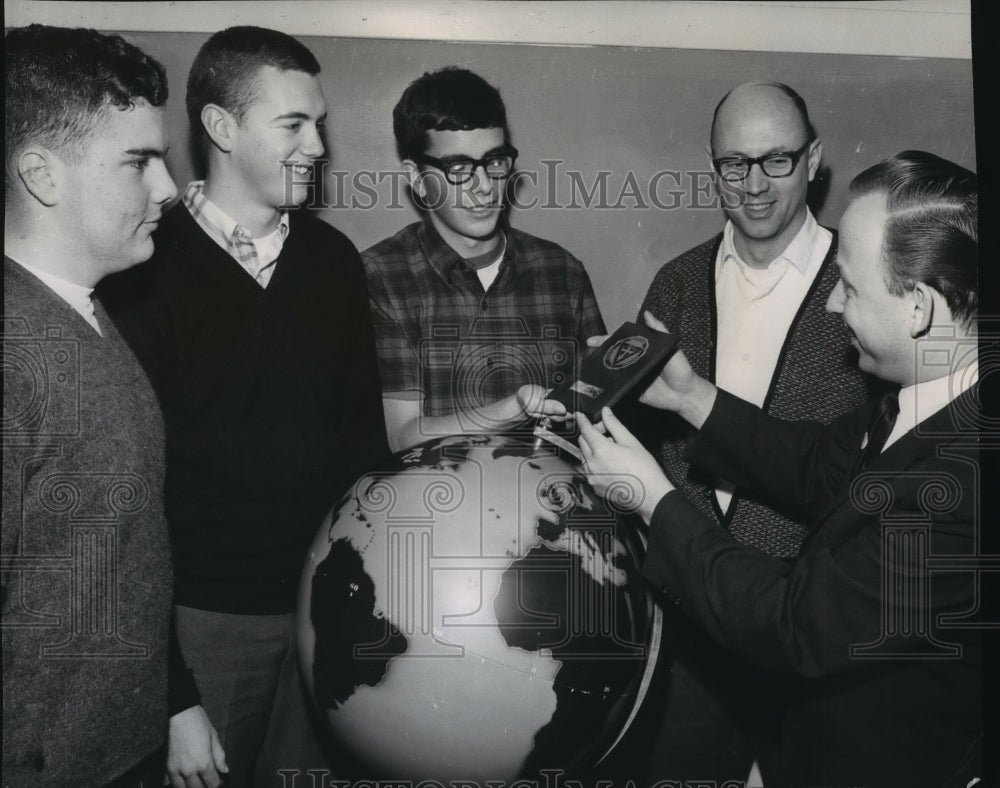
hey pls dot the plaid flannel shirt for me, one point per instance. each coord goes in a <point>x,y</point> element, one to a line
<point>258,257</point>
<point>441,336</point>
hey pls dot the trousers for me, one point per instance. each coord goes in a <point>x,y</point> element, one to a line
<point>246,668</point>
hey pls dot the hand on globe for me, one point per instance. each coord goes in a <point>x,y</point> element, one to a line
<point>619,468</point>
<point>533,402</point>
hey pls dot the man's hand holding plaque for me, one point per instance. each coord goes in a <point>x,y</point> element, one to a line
<point>614,368</point>
<point>619,363</point>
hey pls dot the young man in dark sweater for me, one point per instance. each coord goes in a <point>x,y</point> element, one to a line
<point>86,581</point>
<point>253,324</point>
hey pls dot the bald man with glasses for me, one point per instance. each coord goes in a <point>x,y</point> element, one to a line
<point>748,307</point>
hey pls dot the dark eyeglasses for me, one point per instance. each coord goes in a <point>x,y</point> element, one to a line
<point>774,165</point>
<point>460,169</point>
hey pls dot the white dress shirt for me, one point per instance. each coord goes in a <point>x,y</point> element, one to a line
<point>77,296</point>
<point>755,309</point>
<point>920,401</point>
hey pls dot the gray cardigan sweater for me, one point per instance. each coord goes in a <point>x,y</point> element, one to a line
<point>816,378</point>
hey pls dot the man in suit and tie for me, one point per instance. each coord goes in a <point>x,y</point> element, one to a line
<point>86,583</point>
<point>884,671</point>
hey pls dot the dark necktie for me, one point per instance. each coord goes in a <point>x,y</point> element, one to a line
<point>883,420</point>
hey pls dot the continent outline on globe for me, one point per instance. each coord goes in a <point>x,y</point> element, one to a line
<point>475,573</point>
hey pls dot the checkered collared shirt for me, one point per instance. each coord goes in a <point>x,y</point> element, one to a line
<point>257,256</point>
<point>441,336</point>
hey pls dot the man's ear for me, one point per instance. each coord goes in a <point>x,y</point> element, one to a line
<point>219,124</point>
<point>413,178</point>
<point>922,298</point>
<point>813,157</point>
<point>40,171</point>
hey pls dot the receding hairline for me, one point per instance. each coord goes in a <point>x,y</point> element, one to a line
<point>790,97</point>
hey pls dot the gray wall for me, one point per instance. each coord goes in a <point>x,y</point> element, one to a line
<point>631,113</point>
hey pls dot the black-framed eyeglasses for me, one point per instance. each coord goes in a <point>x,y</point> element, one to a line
<point>774,165</point>
<point>460,169</point>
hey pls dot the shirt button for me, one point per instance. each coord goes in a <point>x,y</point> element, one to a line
<point>746,356</point>
<point>486,307</point>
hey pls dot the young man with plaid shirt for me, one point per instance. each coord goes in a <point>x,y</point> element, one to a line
<point>473,319</point>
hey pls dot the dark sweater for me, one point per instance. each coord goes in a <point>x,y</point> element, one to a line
<point>271,399</point>
<point>86,562</point>
<point>816,378</point>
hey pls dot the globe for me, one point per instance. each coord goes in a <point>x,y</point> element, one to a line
<point>474,612</point>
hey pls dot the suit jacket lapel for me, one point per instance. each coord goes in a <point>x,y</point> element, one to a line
<point>941,429</point>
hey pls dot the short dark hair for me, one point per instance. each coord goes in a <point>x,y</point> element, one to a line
<point>931,234</point>
<point>225,69</point>
<point>450,99</point>
<point>59,82</point>
<point>797,102</point>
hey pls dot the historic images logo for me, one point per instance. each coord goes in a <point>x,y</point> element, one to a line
<point>625,352</point>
